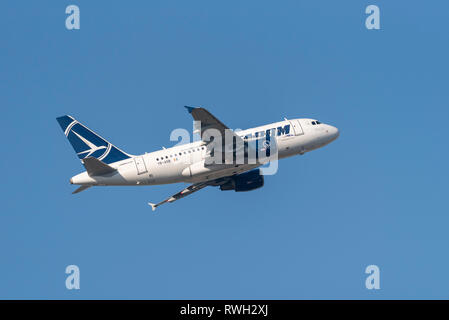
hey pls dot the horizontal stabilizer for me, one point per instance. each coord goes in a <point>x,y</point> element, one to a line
<point>82,188</point>
<point>153,205</point>
<point>95,167</point>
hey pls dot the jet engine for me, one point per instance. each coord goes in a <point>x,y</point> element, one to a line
<point>244,182</point>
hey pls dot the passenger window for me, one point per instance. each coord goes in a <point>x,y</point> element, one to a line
<point>180,153</point>
<point>157,159</point>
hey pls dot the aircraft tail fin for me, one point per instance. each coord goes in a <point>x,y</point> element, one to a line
<point>87,143</point>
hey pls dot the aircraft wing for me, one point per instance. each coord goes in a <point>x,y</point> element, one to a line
<point>187,191</point>
<point>246,148</point>
<point>208,121</point>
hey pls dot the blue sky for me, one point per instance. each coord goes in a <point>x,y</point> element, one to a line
<point>378,195</point>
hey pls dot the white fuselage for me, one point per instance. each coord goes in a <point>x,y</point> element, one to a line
<point>185,163</point>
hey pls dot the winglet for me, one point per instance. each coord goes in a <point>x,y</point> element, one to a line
<point>190,109</point>
<point>153,205</point>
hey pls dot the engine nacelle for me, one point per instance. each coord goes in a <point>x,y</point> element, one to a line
<point>244,182</point>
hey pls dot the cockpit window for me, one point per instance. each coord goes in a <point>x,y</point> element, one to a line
<point>313,123</point>
<point>318,122</point>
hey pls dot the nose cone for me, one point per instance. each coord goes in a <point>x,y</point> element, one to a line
<point>333,133</point>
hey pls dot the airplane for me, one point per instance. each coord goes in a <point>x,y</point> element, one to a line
<point>231,163</point>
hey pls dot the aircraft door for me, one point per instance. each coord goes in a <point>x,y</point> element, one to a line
<point>140,165</point>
